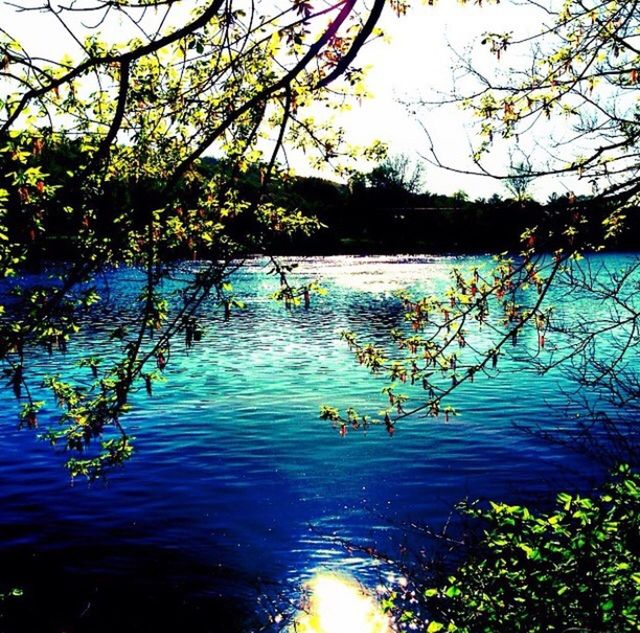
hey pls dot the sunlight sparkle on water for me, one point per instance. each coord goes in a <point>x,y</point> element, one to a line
<point>338,604</point>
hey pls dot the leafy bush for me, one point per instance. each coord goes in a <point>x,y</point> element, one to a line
<point>576,568</point>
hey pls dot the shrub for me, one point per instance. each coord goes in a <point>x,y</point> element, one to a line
<point>576,568</point>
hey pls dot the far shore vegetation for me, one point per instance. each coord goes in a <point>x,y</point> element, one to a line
<point>387,210</point>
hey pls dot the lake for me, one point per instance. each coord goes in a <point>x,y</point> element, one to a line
<point>237,487</point>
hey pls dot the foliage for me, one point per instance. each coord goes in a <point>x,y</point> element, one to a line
<point>101,153</point>
<point>519,181</point>
<point>578,68</point>
<point>570,82</point>
<point>574,568</point>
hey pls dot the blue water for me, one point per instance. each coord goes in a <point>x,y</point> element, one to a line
<point>237,486</point>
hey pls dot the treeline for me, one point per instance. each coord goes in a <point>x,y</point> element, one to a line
<point>386,211</point>
<point>383,211</point>
<point>365,217</point>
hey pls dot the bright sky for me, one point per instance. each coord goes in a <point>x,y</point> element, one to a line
<point>417,62</point>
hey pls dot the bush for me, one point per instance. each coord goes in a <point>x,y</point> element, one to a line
<point>576,568</point>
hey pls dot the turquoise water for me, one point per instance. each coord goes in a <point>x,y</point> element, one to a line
<point>237,486</point>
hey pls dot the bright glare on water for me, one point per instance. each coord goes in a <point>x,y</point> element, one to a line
<point>338,604</point>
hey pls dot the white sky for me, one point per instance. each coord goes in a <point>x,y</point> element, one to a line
<point>417,62</point>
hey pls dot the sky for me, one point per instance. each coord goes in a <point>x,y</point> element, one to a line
<point>415,64</point>
<point>418,64</point>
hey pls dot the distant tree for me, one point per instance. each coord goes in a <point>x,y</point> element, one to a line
<point>519,181</point>
<point>554,196</point>
<point>460,196</point>
<point>397,173</point>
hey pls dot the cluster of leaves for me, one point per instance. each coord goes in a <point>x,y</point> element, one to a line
<point>437,349</point>
<point>581,68</point>
<point>101,163</point>
<point>574,568</point>
<point>12,593</point>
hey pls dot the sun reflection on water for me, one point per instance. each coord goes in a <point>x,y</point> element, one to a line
<point>339,604</point>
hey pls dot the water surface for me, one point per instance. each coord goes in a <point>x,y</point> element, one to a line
<point>237,484</point>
